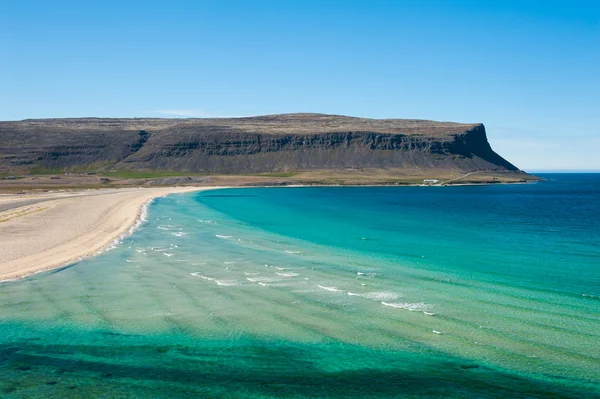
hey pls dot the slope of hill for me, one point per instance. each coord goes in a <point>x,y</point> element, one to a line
<point>298,143</point>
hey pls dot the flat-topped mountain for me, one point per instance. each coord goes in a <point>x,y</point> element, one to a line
<point>262,144</point>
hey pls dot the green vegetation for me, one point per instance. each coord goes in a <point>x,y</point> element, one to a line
<point>278,174</point>
<point>46,171</point>
<point>11,175</point>
<point>94,167</point>
<point>134,174</point>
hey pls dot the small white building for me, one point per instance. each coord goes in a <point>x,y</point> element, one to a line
<point>430,181</point>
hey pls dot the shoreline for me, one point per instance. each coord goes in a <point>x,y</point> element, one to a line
<point>57,229</point>
<point>388,185</point>
<point>27,223</point>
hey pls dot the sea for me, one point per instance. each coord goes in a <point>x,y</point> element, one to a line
<point>488,291</point>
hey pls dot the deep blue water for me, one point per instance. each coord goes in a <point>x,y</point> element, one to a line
<point>542,235</point>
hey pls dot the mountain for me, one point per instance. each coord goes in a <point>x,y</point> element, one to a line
<point>252,145</point>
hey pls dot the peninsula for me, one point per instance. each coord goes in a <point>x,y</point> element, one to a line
<point>43,231</point>
<point>47,220</point>
<point>264,150</point>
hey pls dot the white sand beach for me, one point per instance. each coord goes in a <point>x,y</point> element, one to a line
<point>49,230</point>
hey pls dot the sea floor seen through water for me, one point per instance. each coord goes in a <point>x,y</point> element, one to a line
<point>324,292</point>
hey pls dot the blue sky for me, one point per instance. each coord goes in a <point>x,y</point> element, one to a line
<point>529,70</point>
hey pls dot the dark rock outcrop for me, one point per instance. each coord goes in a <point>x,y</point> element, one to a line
<point>291,142</point>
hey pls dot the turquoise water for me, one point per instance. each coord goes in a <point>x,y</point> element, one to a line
<point>481,291</point>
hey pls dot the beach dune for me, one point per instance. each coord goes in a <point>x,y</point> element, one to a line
<point>49,230</point>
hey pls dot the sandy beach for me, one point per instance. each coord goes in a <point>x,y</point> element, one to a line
<point>50,230</point>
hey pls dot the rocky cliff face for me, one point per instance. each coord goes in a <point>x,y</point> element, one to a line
<point>275,143</point>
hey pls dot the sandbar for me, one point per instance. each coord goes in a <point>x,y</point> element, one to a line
<point>45,231</point>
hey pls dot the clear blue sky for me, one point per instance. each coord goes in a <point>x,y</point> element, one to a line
<point>529,70</point>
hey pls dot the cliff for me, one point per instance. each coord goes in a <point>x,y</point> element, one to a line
<point>276,143</point>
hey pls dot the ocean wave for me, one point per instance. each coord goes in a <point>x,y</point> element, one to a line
<point>291,274</point>
<point>227,283</point>
<point>329,288</point>
<point>262,279</point>
<point>293,252</point>
<point>112,245</point>
<point>143,217</point>
<point>222,236</point>
<point>196,274</point>
<point>366,274</point>
<point>159,314</point>
<point>306,291</point>
<point>377,296</point>
<point>412,307</point>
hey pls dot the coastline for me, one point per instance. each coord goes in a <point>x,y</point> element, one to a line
<point>48,231</point>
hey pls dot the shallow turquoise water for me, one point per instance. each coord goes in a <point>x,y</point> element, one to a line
<point>488,291</point>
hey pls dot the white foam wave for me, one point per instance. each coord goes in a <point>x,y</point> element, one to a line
<point>179,234</point>
<point>222,236</point>
<point>161,314</point>
<point>227,283</point>
<point>142,217</point>
<point>207,221</point>
<point>293,252</point>
<point>412,307</point>
<point>196,274</point>
<point>366,274</point>
<point>377,296</point>
<point>262,279</point>
<point>329,288</point>
<point>287,274</point>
